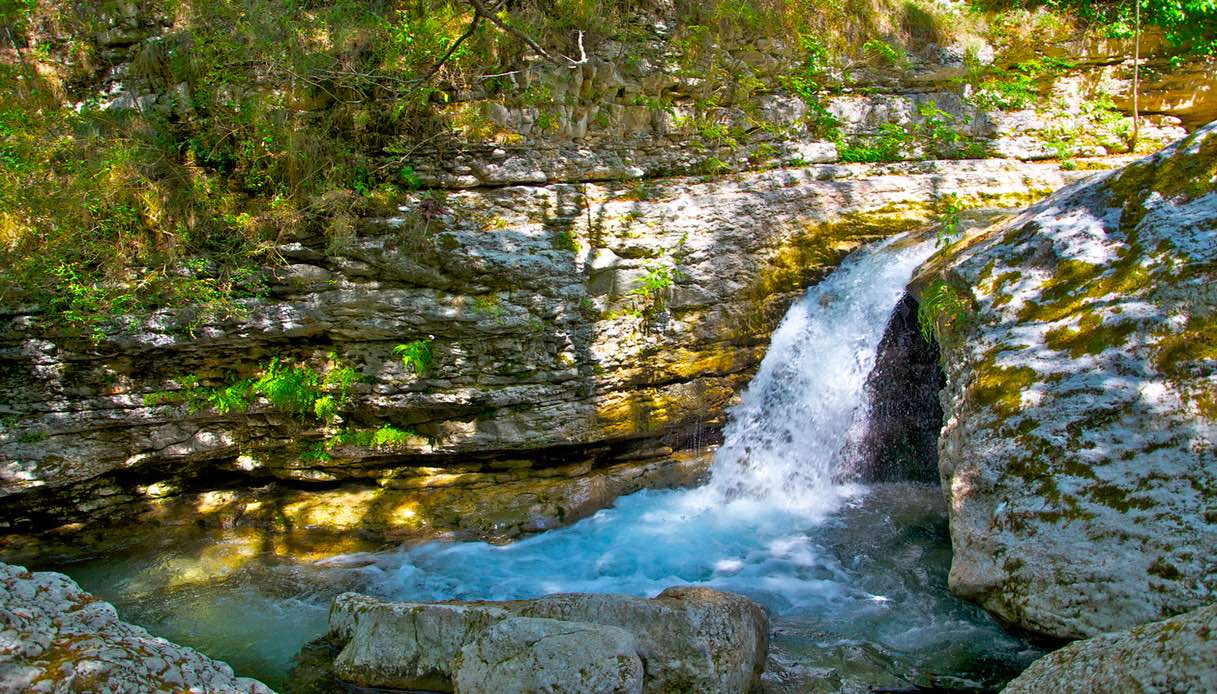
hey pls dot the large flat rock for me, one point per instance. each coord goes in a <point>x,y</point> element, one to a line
<point>687,639</point>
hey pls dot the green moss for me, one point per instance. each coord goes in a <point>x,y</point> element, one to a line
<point>1184,175</point>
<point>1115,497</point>
<point>1001,388</point>
<point>998,287</point>
<point>1187,357</point>
<point>1164,569</point>
<point>1077,283</point>
<point>1092,336</point>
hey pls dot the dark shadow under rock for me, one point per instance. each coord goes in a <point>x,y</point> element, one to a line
<point>901,438</point>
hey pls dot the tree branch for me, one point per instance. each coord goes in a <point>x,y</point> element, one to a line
<point>473,26</point>
<point>480,8</point>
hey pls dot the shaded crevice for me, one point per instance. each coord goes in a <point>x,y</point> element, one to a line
<point>901,438</point>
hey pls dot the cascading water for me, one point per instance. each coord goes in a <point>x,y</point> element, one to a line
<point>772,479</point>
<point>854,577</point>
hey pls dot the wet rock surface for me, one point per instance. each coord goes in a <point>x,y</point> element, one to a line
<point>1078,452</point>
<point>54,637</point>
<point>687,639</point>
<point>905,417</point>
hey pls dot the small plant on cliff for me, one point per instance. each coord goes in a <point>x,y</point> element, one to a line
<point>293,388</point>
<point>944,310</point>
<point>415,356</point>
<point>948,220</point>
<point>887,53</point>
<point>387,436</point>
<point>654,288</point>
<point>807,82</point>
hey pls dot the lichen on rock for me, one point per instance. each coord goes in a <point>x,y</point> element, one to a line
<point>55,637</point>
<point>1176,655</point>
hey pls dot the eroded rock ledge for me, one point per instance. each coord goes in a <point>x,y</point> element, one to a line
<point>544,353</point>
<point>1079,451</point>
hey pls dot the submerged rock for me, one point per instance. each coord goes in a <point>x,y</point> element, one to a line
<point>1177,655</point>
<point>55,637</point>
<point>1079,452</point>
<point>687,639</point>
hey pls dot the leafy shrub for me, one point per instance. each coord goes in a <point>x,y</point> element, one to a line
<point>415,356</point>
<point>293,388</point>
<point>654,288</point>
<point>948,222</point>
<point>887,53</point>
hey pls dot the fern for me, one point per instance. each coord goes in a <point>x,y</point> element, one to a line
<point>944,309</point>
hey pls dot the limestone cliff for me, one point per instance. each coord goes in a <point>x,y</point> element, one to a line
<point>543,351</point>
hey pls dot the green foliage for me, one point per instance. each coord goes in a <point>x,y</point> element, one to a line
<point>934,133</point>
<point>808,82</point>
<point>415,356</point>
<point>943,311</point>
<point>564,240</point>
<point>387,436</point>
<point>293,388</point>
<point>887,53</point>
<point>948,222</point>
<point>1014,88</point>
<point>891,144</point>
<point>654,288</point>
<point>1188,24</point>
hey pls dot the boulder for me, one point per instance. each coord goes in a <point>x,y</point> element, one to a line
<point>523,654</point>
<point>688,639</point>
<point>55,637</point>
<point>404,645</point>
<point>1177,655</point>
<point>1079,450</point>
<point>691,639</point>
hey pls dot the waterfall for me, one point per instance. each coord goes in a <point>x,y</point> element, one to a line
<point>772,483</point>
<point>855,578</point>
<point>784,441</point>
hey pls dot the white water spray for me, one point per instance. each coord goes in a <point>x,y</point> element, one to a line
<point>784,442</point>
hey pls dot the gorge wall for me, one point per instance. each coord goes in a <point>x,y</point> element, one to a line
<point>566,316</point>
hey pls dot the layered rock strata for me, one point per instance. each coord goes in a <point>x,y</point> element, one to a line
<point>579,326</point>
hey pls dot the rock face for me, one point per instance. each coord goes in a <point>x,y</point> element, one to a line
<point>1176,655</point>
<point>687,639</point>
<point>54,637</point>
<point>547,345</point>
<point>905,417</point>
<point>1079,452</point>
<point>523,654</point>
